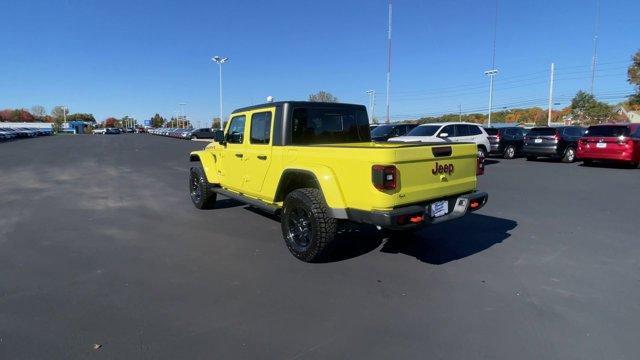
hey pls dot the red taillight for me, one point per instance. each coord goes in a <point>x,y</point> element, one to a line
<point>498,137</point>
<point>384,177</point>
<point>480,167</point>
<point>583,141</point>
<point>556,137</point>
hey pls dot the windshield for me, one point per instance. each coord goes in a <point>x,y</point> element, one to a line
<point>329,126</point>
<point>607,131</point>
<point>424,130</point>
<point>542,132</point>
<point>382,130</point>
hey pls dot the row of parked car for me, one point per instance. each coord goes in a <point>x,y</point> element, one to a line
<point>187,134</point>
<point>610,142</point>
<point>21,133</point>
<point>113,131</point>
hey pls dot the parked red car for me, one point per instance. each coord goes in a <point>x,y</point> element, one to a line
<point>616,142</point>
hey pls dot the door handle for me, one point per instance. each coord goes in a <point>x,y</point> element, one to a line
<point>239,155</point>
<point>262,157</point>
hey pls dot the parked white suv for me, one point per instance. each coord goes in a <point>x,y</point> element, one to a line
<point>449,132</point>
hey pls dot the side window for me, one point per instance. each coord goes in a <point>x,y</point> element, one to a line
<point>449,129</point>
<point>260,128</point>
<point>462,130</point>
<point>235,134</point>
<point>637,133</point>
<point>474,130</point>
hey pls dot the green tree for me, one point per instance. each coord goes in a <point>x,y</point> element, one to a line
<point>216,123</point>
<point>81,117</point>
<point>633,74</point>
<point>157,121</point>
<point>58,114</point>
<point>323,96</point>
<point>587,110</point>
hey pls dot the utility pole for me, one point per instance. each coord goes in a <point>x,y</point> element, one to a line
<point>460,112</point>
<point>594,59</point>
<point>372,104</point>
<point>389,62</point>
<point>550,94</point>
<point>220,60</point>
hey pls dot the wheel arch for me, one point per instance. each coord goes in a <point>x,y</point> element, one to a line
<point>208,163</point>
<point>321,178</point>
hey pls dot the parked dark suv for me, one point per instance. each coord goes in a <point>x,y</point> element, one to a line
<point>203,133</point>
<point>555,142</point>
<point>506,142</point>
<point>386,131</point>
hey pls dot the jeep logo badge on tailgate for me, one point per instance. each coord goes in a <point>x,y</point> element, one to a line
<point>442,169</point>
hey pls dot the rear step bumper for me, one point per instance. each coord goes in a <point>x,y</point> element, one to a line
<point>416,215</point>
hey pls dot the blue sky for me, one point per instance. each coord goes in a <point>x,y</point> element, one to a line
<point>116,58</point>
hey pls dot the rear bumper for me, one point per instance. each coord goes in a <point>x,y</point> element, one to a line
<point>495,148</point>
<point>622,156</point>
<point>551,150</point>
<point>398,218</point>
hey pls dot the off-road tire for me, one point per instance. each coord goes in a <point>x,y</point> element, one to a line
<point>510,152</point>
<point>321,225</point>
<point>199,190</point>
<point>532,158</point>
<point>569,155</point>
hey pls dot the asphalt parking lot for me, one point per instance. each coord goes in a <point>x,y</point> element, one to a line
<point>100,244</point>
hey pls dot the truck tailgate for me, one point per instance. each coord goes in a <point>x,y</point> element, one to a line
<point>435,171</point>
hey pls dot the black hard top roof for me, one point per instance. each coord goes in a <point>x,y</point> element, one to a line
<point>298,103</point>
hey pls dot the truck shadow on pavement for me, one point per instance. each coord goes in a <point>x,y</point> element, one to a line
<point>437,245</point>
<point>452,241</point>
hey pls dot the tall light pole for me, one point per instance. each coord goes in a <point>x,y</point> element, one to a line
<point>594,59</point>
<point>389,61</point>
<point>220,60</point>
<point>491,74</point>
<point>372,104</point>
<point>459,112</point>
<point>550,94</point>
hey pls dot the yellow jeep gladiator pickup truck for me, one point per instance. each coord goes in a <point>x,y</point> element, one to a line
<point>314,164</point>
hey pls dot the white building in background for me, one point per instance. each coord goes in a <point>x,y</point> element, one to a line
<point>633,116</point>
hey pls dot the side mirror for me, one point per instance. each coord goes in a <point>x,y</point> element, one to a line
<point>443,135</point>
<point>218,136</point>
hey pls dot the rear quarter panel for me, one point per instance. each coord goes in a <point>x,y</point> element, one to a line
<point>344,173</point>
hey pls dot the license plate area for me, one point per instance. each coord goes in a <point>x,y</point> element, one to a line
<point>601,145</point>
<point>537,141</point>
<point>438,208</point>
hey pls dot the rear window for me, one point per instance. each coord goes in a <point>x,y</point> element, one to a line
<point>424,130</point>
<point>607,131</point>
<point>491,131</point>
<point>329,126</point>
<point>542,132</point>
<point>382,130</point>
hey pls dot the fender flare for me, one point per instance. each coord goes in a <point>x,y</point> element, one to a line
<point>325,179</point>
<point>208,162</point>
